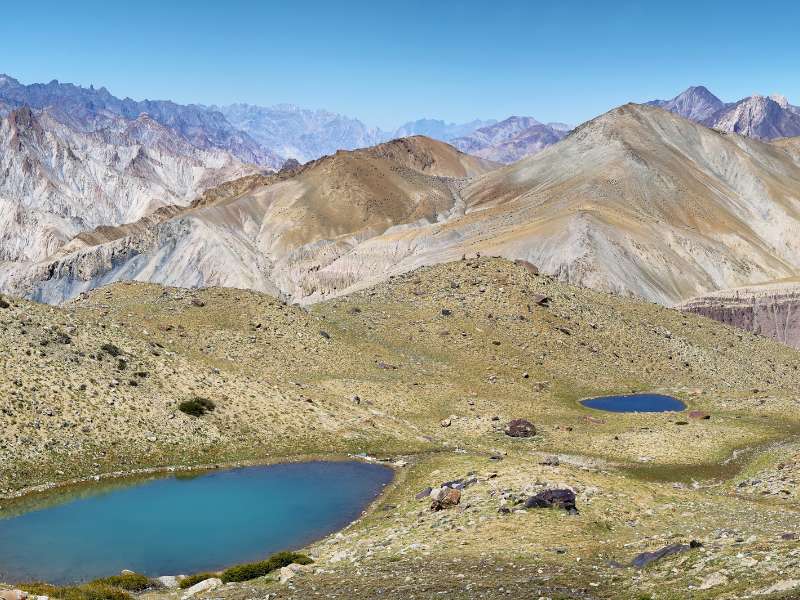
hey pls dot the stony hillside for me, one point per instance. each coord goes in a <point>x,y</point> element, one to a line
<point>428,368</point>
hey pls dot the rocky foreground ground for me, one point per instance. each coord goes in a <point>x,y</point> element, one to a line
<point>426,371</point>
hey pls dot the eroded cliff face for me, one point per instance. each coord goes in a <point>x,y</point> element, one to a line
<point>57,182</point>
<point>771,310</point>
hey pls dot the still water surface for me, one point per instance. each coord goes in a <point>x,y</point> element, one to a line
<point>185,525</point>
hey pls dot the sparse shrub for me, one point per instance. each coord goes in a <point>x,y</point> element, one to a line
<point>197,406</point>
<point>132,582</point>
<point>95,590</point>
<point>63,338</point>
<point>250,571</point>
<point>111,349</point>
<point>3,303</point>
<point>38,588</point>
<point>191,580</point>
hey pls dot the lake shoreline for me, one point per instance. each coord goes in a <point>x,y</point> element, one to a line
<point>45,489</point>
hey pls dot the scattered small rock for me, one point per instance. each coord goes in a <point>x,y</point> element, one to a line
<point>424,493</point>
<point>445,498</point>
<point>713,580</point>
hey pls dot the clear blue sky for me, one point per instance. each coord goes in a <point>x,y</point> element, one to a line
<point>386,63</point>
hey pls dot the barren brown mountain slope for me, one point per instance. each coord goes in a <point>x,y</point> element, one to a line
<point>638,202</point>
<point>92,388</point>
<point>267,233</point>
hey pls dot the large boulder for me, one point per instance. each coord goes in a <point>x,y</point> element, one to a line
<point>520,428</point>
<point>203,586</point>
<point>445,498</point>
<point>289,571</point>
<point>556,498</point>
<point>13,595</point>
<point>169,581</point>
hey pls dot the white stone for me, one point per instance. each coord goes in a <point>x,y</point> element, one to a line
<point>203,586</point>
<point>713,580</point>
<point>289,571</point>
<point>780,586</point>
<point>168,581</point>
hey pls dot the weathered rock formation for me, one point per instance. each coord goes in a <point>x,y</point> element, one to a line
<point>771,309</point>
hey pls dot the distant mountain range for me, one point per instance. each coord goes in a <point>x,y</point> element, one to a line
<point>267,136</point>
<point>301,134</point>
<point>512,139</point>
<point>643,200</point>
<point>91,109</point>
<point>304,135</point>
<point>760,117</point>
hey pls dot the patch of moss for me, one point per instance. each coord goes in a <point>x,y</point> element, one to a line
<point>132,582</point>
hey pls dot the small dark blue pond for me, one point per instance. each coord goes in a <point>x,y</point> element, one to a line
<point>635,403</point>
<point>185,525</point>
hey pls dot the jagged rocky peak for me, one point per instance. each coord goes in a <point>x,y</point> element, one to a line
<point>92,109</point>
<point>511,139</point>
<point>757,116</point>
<point>696,103</point>
<point>760,117</point>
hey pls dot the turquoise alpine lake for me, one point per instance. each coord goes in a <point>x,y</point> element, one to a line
<point>183,525</point>
<point>635,403</point>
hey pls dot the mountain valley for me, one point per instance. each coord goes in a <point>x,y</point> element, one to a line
<point>187,289</point>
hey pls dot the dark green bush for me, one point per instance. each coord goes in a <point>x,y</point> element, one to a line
<point>189,581</point>
<point>132,582</point>
<point>249,571</point>
<point>111,349</point>
<point>197,406</point>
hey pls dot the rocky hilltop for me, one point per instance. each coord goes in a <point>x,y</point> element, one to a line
<point>467,373</point>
